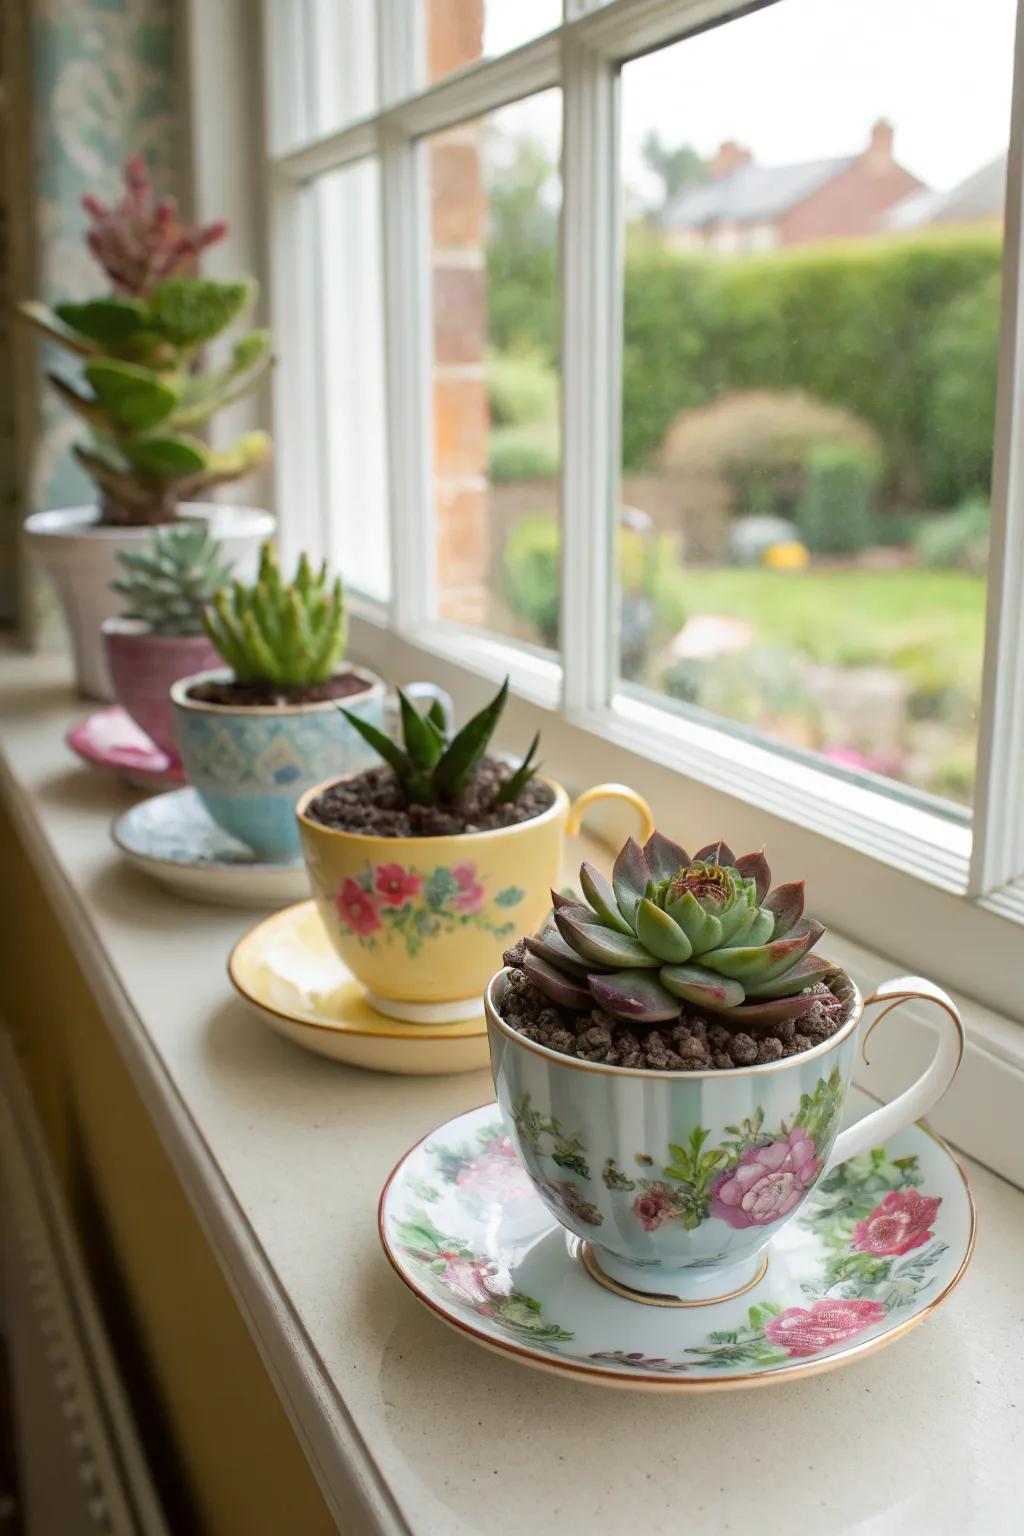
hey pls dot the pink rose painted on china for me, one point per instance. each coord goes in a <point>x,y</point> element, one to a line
<point>396,885</point>
<point>901,1222</point>
<point>473,1280</point>
<point>497,1174</point>
<point>471,893</point>
<point>357,908</point>
<point>653,1207</point>
<point>807,1330</point>
<point>767,1182</point>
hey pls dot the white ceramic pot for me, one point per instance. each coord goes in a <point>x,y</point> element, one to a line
<point>80,558</point>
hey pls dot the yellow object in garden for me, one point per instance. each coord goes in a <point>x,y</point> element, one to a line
<point>791,556</point>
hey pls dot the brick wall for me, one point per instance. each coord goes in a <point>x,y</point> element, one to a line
<point>849,205</point>
<point>458,210</point>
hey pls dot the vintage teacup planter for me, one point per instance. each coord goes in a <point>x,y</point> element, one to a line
<point>638,1123</point>
<point>159,637</point>
<point>422,920</point>
<point>253,738</point>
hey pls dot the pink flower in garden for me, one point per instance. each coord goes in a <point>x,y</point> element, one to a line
<point>471,893</point>
<point>767,1182</point>
<point>357,908</point>
<point>396,885</point>
<point>902,1221</point>
<point>803,1331</point>
<point>653,1207</point>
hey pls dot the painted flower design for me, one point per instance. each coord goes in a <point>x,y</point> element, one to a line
<point>471,893</point>
<point>767,1182</point>
<point>901,1222</point>
<point>563,1193</point>
<point>357,908</point>
<point>806,1330</point>
<point>396,885</point>
<point>476,1281</point>
<point>653,1207</point>
<point>497,1174</point>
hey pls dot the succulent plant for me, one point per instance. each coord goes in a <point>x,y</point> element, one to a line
<point>142,240</point>
<point>435,769</point>
<point>669,930</point>
<point>290,636</point>
<point>141,392</point>
<point>169,584</point>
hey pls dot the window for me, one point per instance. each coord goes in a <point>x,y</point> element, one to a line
<point>686,390</point>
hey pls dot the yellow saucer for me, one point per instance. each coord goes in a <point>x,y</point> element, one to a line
<point>287,970</point>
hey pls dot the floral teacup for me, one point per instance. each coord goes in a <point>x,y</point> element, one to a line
<point>422,921</point>
<point>677,1181</point>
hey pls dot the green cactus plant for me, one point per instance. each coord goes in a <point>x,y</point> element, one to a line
<point>169,584</point>
<point>434,768</point>
<point>669,929</point>
<point>292,637</point>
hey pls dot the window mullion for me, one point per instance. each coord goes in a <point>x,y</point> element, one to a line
<point>998,854</point>
<point>590,290</point>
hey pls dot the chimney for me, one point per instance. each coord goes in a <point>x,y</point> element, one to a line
<point>878,155</point>
<point>729,157</point>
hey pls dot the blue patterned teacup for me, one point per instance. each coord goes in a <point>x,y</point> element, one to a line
<point>250,764</point>
<point>676,1181</point>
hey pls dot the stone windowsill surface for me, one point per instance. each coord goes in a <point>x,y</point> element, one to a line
<point>411,1427</point>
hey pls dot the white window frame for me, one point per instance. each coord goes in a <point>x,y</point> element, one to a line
<point>903,879</point>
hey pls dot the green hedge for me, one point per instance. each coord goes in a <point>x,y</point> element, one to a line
<point>899,330</point>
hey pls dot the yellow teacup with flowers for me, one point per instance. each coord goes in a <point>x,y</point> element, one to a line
<point>422,919</point>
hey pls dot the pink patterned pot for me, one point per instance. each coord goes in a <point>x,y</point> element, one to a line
<point>143,666</point>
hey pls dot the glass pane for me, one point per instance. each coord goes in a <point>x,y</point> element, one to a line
<point>495,199</point>
<point>811,314</point>
<point>341,55</point>
<point>458,32</point>
<point>351,359</point>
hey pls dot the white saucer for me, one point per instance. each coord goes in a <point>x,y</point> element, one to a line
<point>878,1246</point>
<point>173,839</point>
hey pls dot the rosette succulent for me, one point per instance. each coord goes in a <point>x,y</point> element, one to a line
<point>668,930</point>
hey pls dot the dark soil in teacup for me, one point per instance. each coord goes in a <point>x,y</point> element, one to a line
<point>696,1043</point>
<point>261,695</point>
<point>373,803</point>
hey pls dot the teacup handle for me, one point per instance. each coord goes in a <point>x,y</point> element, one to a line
<point>875,1129</point>
<point>415,692</point>
<point>590,797</point>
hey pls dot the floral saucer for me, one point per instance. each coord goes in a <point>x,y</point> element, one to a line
<point>288,970</point>
<point>881,1242</point>
<point>111,741</point>
<point>173,839</point>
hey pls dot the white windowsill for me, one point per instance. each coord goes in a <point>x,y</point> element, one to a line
<point>407,1427</point>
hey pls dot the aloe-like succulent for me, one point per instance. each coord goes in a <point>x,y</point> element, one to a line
<point>141,392</point>
<point>669,930</point>
<point>168,584</point>
<point>435,769</point>
<point>290,636</point>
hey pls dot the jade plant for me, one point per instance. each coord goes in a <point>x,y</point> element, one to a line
<point>434,768</point>
<point>668,930</point>
<point>292,637</point>
<point>141,391</point>
<point>169,584</point>
<point>142,239</point>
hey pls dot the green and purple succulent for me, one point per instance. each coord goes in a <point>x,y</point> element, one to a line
<point>668,930</point>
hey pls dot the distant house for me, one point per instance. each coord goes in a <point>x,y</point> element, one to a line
<point>978,199</point>
<point>750,207</point>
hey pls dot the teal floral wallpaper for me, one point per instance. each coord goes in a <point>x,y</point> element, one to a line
<point>103,85</point>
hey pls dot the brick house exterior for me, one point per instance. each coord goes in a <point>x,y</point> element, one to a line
<point>749,207</point>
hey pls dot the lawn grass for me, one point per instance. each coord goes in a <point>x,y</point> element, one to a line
<point>927,623</point>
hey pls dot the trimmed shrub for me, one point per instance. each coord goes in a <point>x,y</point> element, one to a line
<point>961,358</point>
<point>522,388</point>
<point>835,512</point>
<point>528,452</point>
<point>958,539</point>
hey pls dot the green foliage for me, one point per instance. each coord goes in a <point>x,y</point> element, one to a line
<point>522,388</point>
<point>957,539</point>
<point>677,168</point>
<point>835,512</point>
<point>434,768</point>
<point>168,584</point>
<point>144,393</point>
<point>292,637</point>
<point>893,330</point>
<point>528,452</point>
<point>522,253</point>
